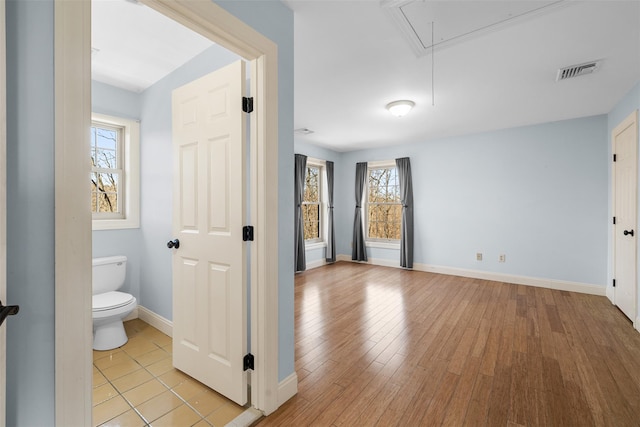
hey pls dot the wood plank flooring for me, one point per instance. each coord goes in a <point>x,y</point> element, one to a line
<point>390,347</point>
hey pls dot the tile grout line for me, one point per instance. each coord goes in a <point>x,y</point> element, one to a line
<point>183,401</point>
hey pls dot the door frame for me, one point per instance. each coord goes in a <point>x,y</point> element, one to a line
<point>3,211</point>
<point>73,322</point>
<point>628,121</point>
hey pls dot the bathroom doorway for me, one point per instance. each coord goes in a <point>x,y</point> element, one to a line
<point>215,23</point>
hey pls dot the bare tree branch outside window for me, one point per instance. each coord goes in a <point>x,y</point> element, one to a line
<point>384,209</point>
<point>311,203</point>
<point>106,171</point>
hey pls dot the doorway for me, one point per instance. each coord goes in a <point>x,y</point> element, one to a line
<point>624,140</point>
<point>72,23</point>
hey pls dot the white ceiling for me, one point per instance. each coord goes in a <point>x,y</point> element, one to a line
<point>134,46</point>
<point>351,59</point>
<point>495,63</point>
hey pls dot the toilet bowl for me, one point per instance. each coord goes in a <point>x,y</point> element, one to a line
<point>110,306</point>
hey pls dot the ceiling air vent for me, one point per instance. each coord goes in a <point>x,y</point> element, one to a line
<point>577,70</point>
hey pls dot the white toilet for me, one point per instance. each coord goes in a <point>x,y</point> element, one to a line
<point>109,305</point>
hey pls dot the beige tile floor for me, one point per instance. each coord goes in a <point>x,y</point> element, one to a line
<point>136,385</point>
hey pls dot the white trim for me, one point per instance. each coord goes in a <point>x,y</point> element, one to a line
<point>160,323</point>
<point>131,169</point>
<point>381,164</point>
<point>245,419</point>
<point>3,212</point>
<point>382,244</point>
<point>561,285</point>
<point>315,245</point>
<point>287,388</point>
<point>73,322</point>
<point>636,324</point>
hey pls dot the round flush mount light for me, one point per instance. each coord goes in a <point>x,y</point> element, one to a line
<point>400,108</point>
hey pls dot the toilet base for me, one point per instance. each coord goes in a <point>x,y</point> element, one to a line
<point>109,336</point>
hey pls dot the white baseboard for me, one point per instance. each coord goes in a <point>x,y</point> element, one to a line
<point>245,419</point>
<point>287,388</point>
<point>160,323</point>
<point>636,324</point>
<point>561,285</point>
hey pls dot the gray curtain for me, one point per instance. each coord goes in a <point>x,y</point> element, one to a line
<point>300,170</point>
<point>331,233</point>
<point>359,251</point>
<point>406,198</point>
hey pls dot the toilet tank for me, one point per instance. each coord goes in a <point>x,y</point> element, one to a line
<point>108,273</point>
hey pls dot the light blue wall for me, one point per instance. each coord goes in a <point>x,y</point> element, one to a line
<point>309,150</point>
<point>106,99</point>
<point>156,178</point>
<point>629,103</point>
<point>30,213</point>
<point>274,20</point>
<point>537,194</point>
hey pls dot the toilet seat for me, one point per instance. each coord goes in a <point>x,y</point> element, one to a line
<point>111,300</point>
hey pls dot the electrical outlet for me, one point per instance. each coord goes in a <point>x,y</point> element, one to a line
<point>479,256</point>
<point>503,258</point>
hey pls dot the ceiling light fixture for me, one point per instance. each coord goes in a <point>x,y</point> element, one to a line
<point>303,131</point>
<point>400,108</point>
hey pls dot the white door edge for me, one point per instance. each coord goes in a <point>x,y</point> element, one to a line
<point>72,58</point>
<point>631,119</point>
<point>3,212</point>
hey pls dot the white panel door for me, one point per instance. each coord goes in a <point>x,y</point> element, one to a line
<point>209,267</point>
<point>625,146</point>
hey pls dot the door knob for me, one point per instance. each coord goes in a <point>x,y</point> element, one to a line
<point>175,243</point>
<point>627,232</point>
<point>9,310</point>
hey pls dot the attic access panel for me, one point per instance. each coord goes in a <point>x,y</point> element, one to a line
<point>454,21</point>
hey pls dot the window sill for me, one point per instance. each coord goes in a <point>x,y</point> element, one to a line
<point>114,224</point>
<point>315,245</point>
<point>382,245</point>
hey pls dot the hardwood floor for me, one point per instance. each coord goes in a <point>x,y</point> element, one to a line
<point>384,346</point>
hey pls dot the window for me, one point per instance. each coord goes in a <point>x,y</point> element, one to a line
<point>384,209</point>
<point>114,172</point>
<point>106,170</point>
<point>312,202</point>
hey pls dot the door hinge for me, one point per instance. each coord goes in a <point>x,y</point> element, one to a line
<point>247,104</point>
<point>614,220</point>
<point>614,157</point>
<point>247,233</point>
<point>247,362</point>
<point>614,283</point>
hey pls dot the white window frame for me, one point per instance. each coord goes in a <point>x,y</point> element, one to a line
<point>129,184</point>
<point>374,241</point>
<point>321,241</point>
